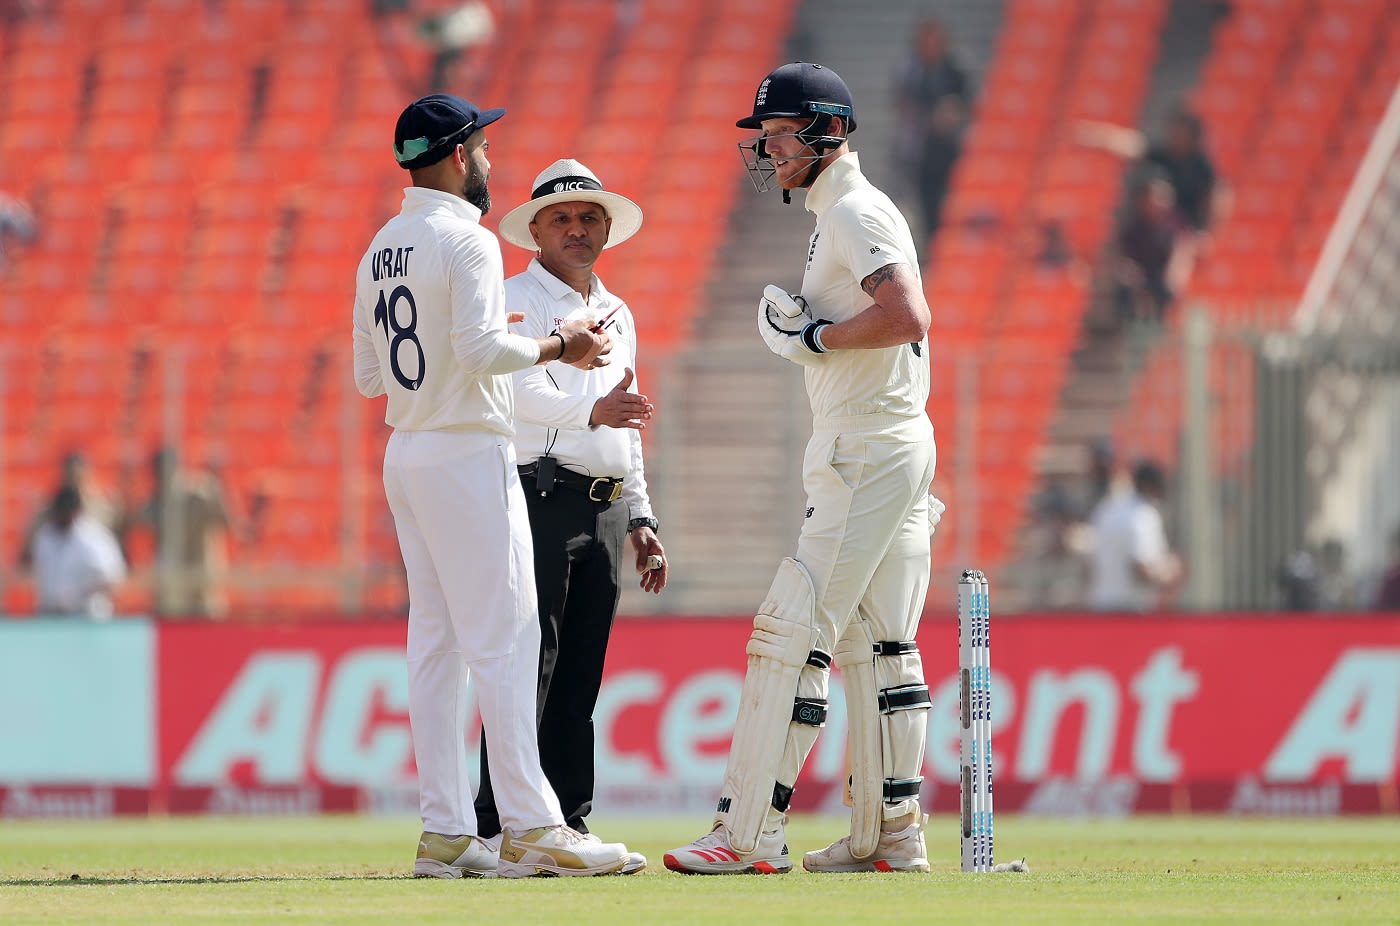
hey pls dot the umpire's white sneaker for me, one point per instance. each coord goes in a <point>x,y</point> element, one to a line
<point>453,857</point>
<point>636,861</point>
<point>902,850</point>
<point>558,850</point>
<point>712,854</point>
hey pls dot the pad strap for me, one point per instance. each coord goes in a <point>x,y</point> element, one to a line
<point>895,647</point>
<point>818,659</point>
<point>902,789</point>
<point>904,698</point>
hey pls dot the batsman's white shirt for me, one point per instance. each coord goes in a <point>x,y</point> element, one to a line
<point>431,286</point>
<point>554,402</point>
<point>430,330</point>
<point>858,231</point>
<point>871,458</point>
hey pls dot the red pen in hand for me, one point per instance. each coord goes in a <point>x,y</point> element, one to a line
<point>602,322</point>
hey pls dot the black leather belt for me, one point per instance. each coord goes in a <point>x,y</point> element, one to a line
<point>598,489</point>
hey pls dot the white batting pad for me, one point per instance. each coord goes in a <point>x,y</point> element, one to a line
<point>768,746</point>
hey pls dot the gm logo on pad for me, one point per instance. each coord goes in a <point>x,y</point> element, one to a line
<point>811,715</point>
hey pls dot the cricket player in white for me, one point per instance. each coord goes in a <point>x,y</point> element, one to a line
<point>430,330</point>
<point>855,590</point>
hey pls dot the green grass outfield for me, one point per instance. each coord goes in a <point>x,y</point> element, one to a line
<point>350,870</point>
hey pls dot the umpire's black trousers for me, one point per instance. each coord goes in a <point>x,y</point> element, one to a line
<point>578,559</point>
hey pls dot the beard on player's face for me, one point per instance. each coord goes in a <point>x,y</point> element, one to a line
<point>476,191</point>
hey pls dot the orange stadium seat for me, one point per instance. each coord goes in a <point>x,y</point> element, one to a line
<point>203,222</point>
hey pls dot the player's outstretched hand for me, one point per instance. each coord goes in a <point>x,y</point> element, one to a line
<point>584,347</point>
<point>622,409</point>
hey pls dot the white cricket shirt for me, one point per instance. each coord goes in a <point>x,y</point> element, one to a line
<point>858,231</point>
<point>553,402</point>
<point>430,320</point>
<point>1127,530</point>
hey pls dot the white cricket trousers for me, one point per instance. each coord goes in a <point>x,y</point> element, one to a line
<point>865,542</point>
<point>465,537</point>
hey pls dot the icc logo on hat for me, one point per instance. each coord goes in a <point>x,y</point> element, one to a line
<point>567,180</point>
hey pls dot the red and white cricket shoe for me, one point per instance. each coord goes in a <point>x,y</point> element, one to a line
<point>711,854</point>
<point>902,850</point>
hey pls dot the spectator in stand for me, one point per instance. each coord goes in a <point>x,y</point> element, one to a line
<point>1060,542</point>
<point>932,101</point>
<point>76,560</point>
<point>1298,581</point>
<point>942,148</point>
<point>1053,255</point>
<point>1180,156</point>
<point>453,34</point>
<point>190,520</point>
<point>1337,588</point>
<point>75,474</point>
<point>1388,597</point>
<point>1131,565</point>
<point>1104,477</point>
<point>1154,257</point>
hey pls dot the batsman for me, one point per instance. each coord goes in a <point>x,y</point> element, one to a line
<point>855,589</point>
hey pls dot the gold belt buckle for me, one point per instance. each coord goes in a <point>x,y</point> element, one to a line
<point>612,496</point>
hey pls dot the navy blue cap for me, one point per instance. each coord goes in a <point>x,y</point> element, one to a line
<point>798,90</point>
<point>431,127</point>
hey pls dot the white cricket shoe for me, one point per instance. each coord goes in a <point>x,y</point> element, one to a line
<point>636,861</point>
<point>712,854</point>
<point>442,856</point>
<point>558,850</point>
<point>902,850</point>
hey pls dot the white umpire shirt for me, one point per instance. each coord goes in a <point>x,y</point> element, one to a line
<point>858,231</point>
<point>440,368</point>
<point>553,402</point>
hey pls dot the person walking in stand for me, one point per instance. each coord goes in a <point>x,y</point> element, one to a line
<point>855,589</point>
<point>578,439</point>
<point>430,331</point>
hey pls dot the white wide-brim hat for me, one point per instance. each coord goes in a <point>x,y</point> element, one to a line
<point>568,181</point>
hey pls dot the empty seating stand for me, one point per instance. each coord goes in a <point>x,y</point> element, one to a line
<point>207,177</point>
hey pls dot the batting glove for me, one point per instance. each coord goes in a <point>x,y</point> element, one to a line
<point>788,328</point>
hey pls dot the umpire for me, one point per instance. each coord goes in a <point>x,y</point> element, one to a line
<point>578,439</point>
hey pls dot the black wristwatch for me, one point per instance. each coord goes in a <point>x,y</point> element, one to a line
<point>652,523</point>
